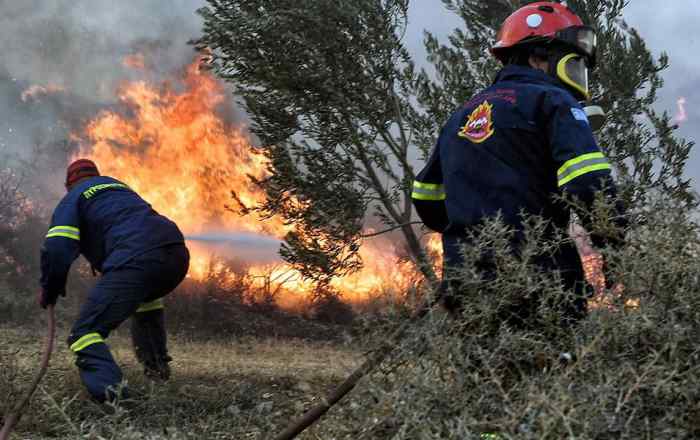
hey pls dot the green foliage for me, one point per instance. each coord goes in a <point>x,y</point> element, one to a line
<point>626,83</point>
<point>327,85</point>
<point>635,374</point>
<point>462,68</point>
<point>636,370</point>
<point>338,104</point>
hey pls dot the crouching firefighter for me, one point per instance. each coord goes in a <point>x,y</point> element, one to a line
<point>141,256</point>
<point>519,146</point>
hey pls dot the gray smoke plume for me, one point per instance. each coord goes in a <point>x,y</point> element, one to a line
<point>70,54</point>
<point>76,49</point>
<point>78,46</point>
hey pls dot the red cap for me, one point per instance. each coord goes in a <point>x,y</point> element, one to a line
<point>80,169</point>
<point>536,20</point>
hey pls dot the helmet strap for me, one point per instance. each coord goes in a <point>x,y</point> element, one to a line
<point>541,52</point>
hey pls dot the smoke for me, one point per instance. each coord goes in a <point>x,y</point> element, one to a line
<point>74,51</point>
<point>660,31</point>
<point>681,115</point>
<point>62,61</point>
<point>250,247</point>
<point>79,45</point>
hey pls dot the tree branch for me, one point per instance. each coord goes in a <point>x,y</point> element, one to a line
<point>393,228</point>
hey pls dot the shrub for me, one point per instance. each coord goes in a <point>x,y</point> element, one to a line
<point>636,372</point>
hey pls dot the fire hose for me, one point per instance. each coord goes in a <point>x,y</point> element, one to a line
<point>378,355</point>
<point>298,426</point>
<point>14,415</point>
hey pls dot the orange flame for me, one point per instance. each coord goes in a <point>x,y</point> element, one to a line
<point>593,268</point>
<point>174,147</point>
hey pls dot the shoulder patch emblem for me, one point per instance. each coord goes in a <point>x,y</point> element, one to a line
<point>579,114</point>
<point>479,126</point>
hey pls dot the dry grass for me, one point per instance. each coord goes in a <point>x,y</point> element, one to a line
<point>244,389</point>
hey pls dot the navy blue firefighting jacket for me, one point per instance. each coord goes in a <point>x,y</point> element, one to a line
<point>107,222</point>
<point>511,148</point>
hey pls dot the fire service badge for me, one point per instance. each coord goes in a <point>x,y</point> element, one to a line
<point>479,126</point>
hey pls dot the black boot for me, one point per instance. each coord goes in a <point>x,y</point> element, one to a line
<point>150,343</point>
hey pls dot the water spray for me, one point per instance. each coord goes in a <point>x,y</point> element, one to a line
<point>234,238</point>
<point>248,246</point>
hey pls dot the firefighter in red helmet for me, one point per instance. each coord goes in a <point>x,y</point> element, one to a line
<point>141,256</point>
<point>553,33</point>
<point>518,147</point>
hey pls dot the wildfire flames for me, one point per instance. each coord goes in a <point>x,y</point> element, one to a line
<point>171,142</point>
<point>174,146</point>
<point>593,268</point>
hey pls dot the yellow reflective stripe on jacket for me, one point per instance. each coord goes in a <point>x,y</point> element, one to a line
<point>97,188</point>
<point>581,165</point>
<point>153,305</point>
<point>64,231</point>
<point>86,341</point>
<point>428,191</point>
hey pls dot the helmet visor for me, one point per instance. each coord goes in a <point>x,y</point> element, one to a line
<point>572,69</point>
<point>584,39</point>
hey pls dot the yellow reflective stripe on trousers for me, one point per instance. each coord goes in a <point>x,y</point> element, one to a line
<point>153,305</point>
<point>428,191</point>
<point>64,231</point>
<point>581,165</point>
<point>86,341</point>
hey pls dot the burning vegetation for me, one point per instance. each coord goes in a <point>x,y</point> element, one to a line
<point>174,143</point>
<point>632,365</point>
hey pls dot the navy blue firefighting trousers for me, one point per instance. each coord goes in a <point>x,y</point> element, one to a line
<point>137,286</point>
<point>521,315</point>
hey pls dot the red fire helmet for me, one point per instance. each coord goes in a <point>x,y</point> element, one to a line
<point>542,22</point>
<point>79,169</point>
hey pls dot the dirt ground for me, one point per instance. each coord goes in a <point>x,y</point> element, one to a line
<point>220,389</point>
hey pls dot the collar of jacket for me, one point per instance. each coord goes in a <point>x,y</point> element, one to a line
<point>514,72</point>
<point>81,186</point>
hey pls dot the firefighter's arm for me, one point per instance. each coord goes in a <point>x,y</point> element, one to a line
<point>428,193</point>
<point>583,170</point>
<point>61,247</point>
